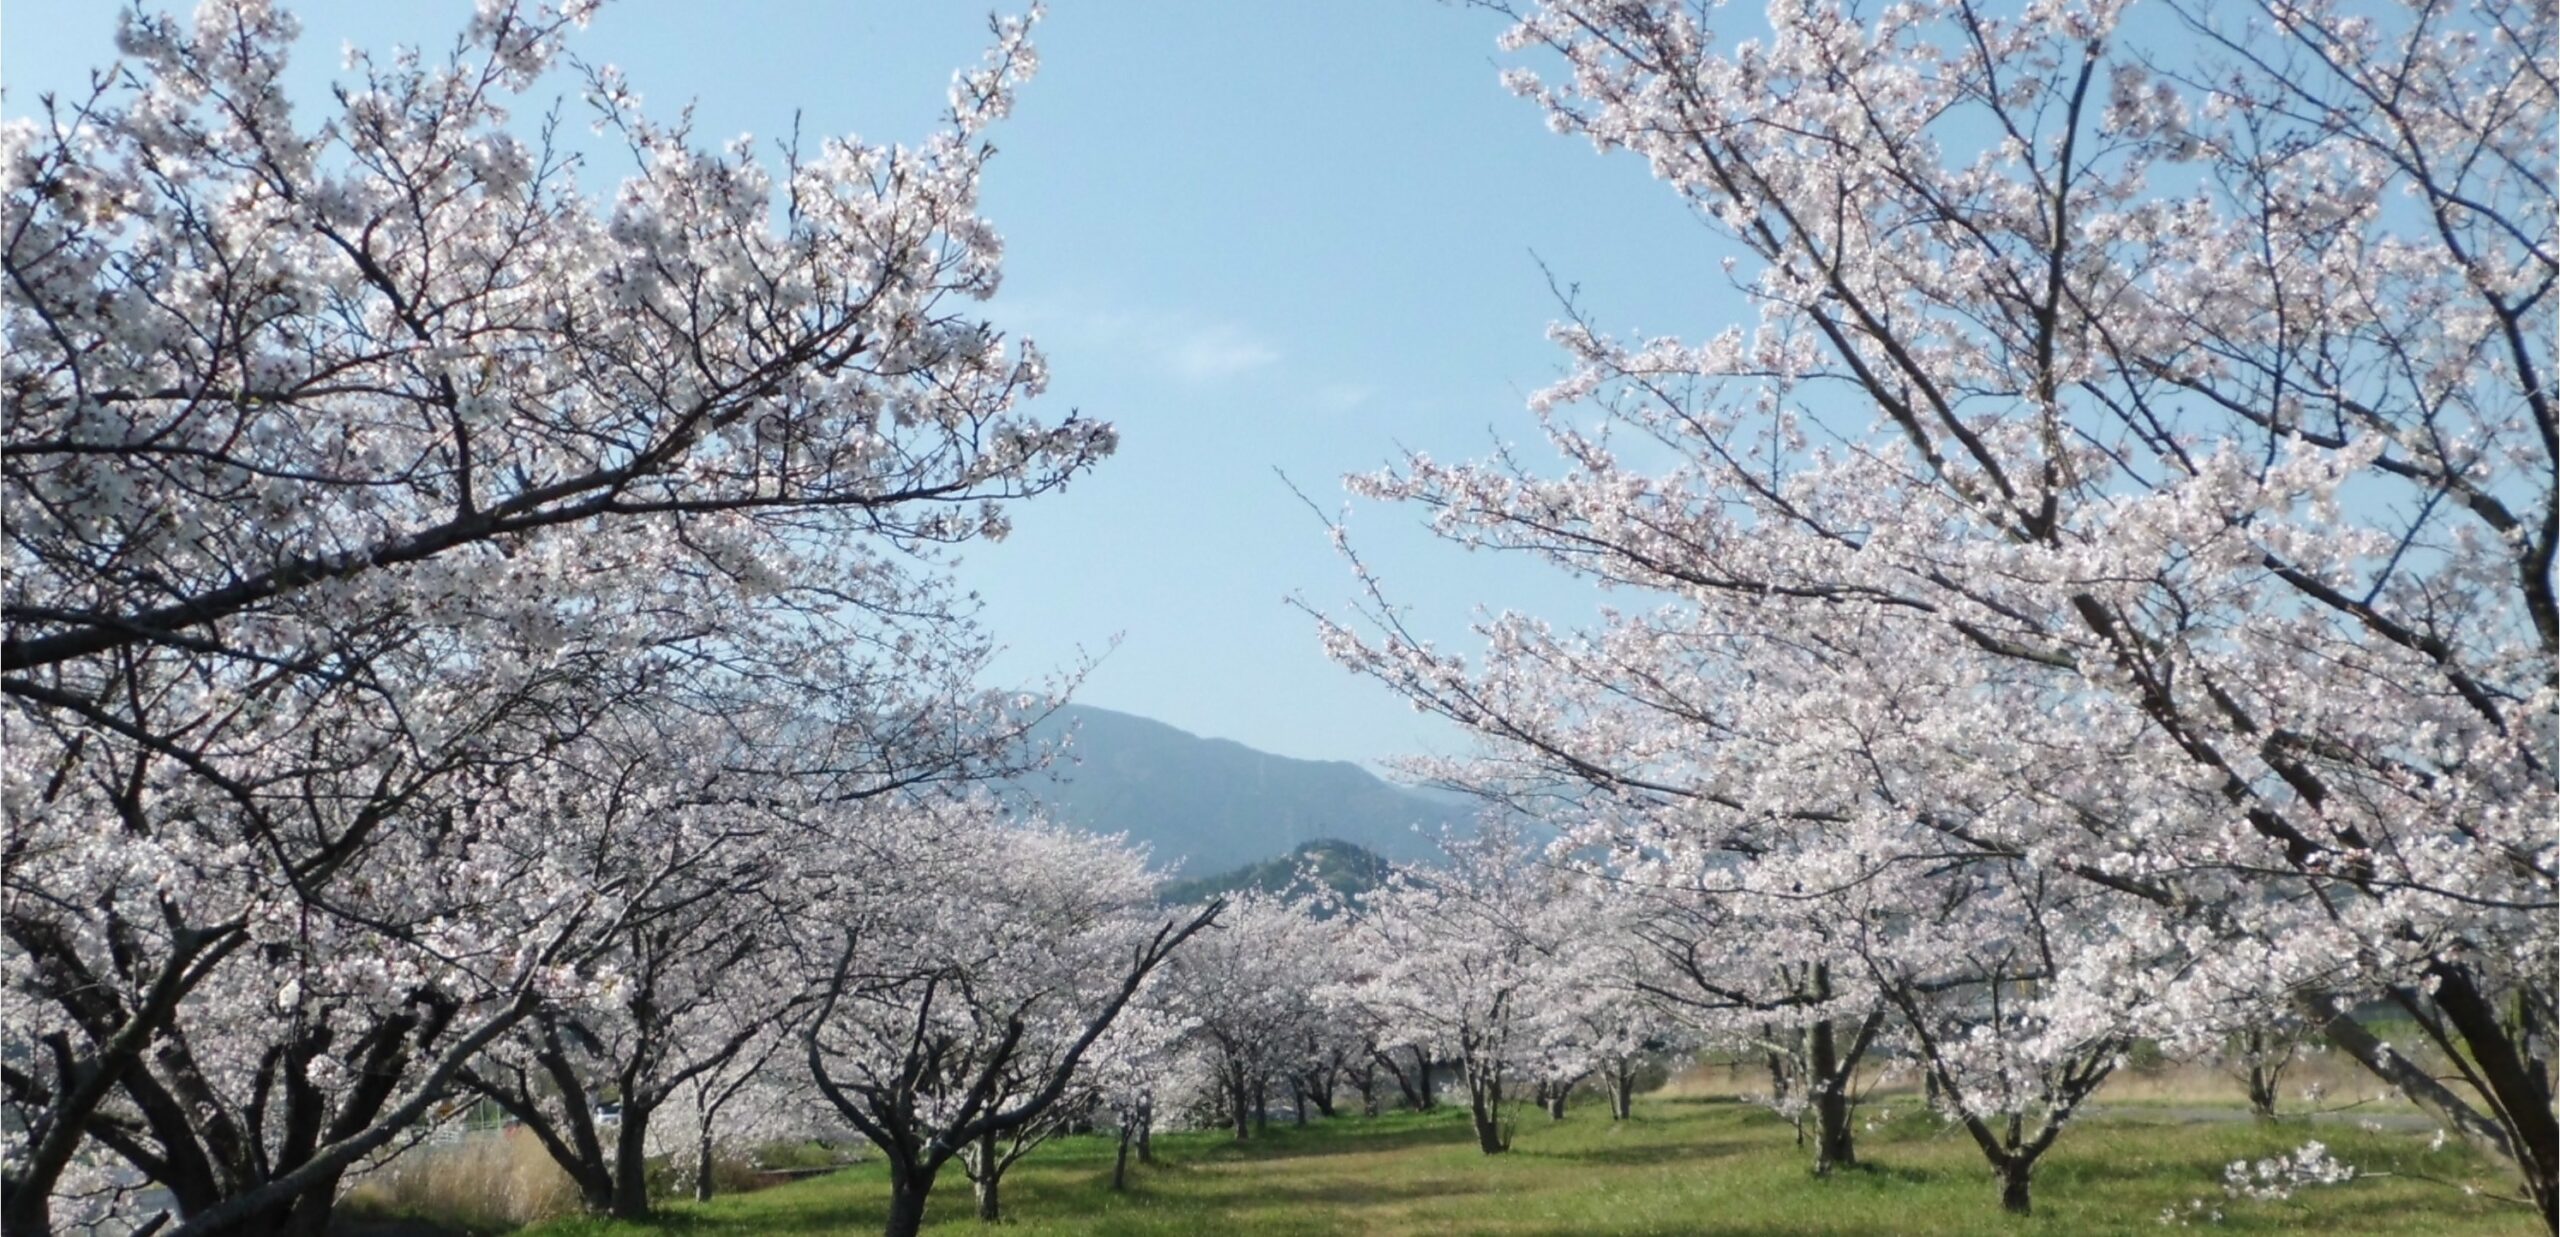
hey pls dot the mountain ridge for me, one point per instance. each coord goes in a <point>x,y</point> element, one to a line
<point>1210,805</point>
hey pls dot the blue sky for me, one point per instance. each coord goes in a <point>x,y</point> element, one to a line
<point>1256,237</point>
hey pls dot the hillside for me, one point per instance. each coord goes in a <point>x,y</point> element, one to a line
<point>1339,866</point>
<point>1213,805</point>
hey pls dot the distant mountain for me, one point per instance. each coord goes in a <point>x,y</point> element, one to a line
<point>1214,805</point>
<point>1343,867</point>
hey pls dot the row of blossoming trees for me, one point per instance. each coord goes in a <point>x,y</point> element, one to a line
<point>470,639</point>
<point>2109,591</point>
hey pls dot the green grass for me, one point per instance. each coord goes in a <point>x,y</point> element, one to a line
<point>1683,1165</point>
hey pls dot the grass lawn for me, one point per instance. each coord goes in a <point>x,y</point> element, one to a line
<point>1683,1165</point>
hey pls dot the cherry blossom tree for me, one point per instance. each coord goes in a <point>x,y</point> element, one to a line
<point>1251,987</point>
<point>966,968</point>
<point>357,460</point>
<point>693,980</point>
<point>1456,955</point>
<point>2181,371</point>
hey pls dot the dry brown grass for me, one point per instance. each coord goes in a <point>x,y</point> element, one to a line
<point>2316,1081</point>
<point>490,1182</point>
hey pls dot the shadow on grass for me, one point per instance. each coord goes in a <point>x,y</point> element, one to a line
<point>1701,1153</point>
<point>1264,1194</point>
<point>1332,1140</point>
<point>1869,1170</point>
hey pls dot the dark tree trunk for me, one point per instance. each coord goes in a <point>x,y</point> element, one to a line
<point>702,1187</point>
<point>1120,1161</point>
<point>2014,1179</point>
<point>2262,1093</point>
<point>1622,1090</point>
<point>1320,1094</point>
<point>1484,1105</point>
<point>1239,1102</point>
<point>1488,1127</point>
<point>1555,1104</point>
<point>2261,1080</point>
<point>1261,1105</point>
<point>1831,1073</point>
<point>1147,1132</point>
<point>631,1164</point>
<point>1422,1080</point>
<point>1834,1142</point>
<point>306,1215</point>
<point>907,1192</point>
<point>1298,1103</point>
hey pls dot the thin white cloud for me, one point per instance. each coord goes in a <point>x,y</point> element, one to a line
<point>1345,396</point>
<point>1185,348</point>
<point>1215,352</point>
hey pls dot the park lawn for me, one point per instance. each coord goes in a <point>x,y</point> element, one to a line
<point>1683,1165</point>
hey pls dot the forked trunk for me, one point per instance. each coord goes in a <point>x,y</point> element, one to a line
<point>1488,1124</point>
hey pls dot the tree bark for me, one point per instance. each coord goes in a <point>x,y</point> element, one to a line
<point>1146,1132</point>
<point>1120,1161</point>
<point>2014,1179</point>
<point>988,1179</point>
<point>631,1164</point>
<point>1484,1106</point>
<point>1834,1143</point>
<point>907,1192</point>
<point>702,1187</point>
<point>1488,1127</point>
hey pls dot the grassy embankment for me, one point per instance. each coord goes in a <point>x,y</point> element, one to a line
<point>1686,1164</point>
